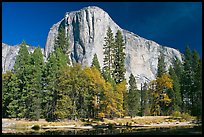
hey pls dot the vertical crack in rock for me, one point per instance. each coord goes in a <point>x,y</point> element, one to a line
<point>93,30</point>
<point>79,48</point>
<point>75,25</point>
<point>88,23</point>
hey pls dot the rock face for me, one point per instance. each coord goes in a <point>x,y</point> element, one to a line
<point>9,54</point>
<point>86,30</point>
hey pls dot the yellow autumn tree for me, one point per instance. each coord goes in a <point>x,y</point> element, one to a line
<point>95,88</point>
<point>108,103</point>
<point>119,98</point>
<point>159,89</point>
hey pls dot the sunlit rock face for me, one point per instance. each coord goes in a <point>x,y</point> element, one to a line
<point>86,30</point>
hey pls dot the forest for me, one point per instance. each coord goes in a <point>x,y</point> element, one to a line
<point>57,89</point>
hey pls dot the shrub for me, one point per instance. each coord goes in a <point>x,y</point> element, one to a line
<point>101,115</point>
<point>186,116</point>
<point>36,127</point>
<point>182,120</point>
<point>110,125</point>
<point>176,114</point>
<point>182,116</point>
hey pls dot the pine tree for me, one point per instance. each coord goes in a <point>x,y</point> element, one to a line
<point>119,58</point>
<point>36,90</point>
<point>62,43</point>
<point>108,52</point>
<point>161,69</point>
<point>56,61</point>
<point>133,97</point>
<point>22,70</point>
<point>13,94</point>
<point>5,92</point>
<point>198,82</point>
<point>196,92</point>
<point>95,62</point>
<point>175,93</point>
<point>22,59</point>
<point>50,93</point>
<point>187,80</point>
<point>145,100</point>
<point>108,77</point>
<point>9,91</point>
<point>63,107</point>
<point>64,101</point>
<point>178,68</point>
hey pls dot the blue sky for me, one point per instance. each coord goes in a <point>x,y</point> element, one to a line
<point>173,24</point>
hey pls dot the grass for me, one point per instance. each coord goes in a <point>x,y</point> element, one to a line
<point>187,130</point>
<point>141,120</point>
<point>26,126</point>
<point>116,121</point>
<point>182,117</point>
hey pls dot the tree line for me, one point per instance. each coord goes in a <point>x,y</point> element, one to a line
<point>176,89</point>
<point>56,90</point>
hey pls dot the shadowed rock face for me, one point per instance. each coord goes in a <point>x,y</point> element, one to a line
<point>86,30</point>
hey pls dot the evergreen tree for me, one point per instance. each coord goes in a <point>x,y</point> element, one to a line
<point>178,68</point>
<point>198,82</point>
<point>175,93</point>
<point>10,90</point>
<point>64,101</point>
<point>6,95</point>
<point>108,52</point>
<point>62,43</point>
<point>119,58</point>
<point>133,97</point>
<point>108,77</point>
<point>50,93</point>
<point>22,70</point>
<point>187,80</point>
<point>196,92</point>
<point>145,100</point>
<point>161,69</point>
<point>36,90</point>
<point>95,63</point>
<point>22,59</point>
<point>56,60</point>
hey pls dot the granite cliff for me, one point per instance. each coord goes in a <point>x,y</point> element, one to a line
<point>86,30</point>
